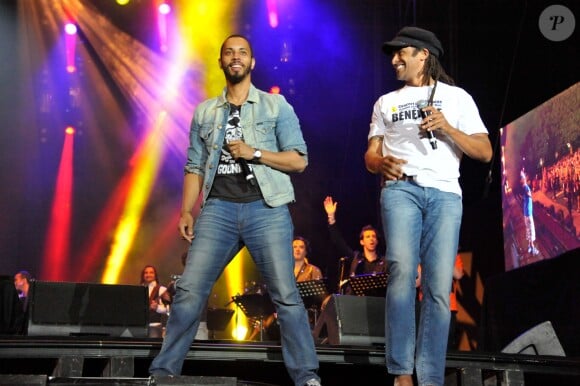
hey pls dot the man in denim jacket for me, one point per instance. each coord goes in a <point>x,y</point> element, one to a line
<point>242,145</point>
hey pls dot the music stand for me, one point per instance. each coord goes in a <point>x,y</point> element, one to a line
<point>218,319</point>
<point>313,292</point>
<point>369,284</point>
<point>255,306</point>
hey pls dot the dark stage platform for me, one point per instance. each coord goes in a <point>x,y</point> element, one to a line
<point>124,361</point>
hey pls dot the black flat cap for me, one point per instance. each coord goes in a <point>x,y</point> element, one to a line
<point>415,37</point>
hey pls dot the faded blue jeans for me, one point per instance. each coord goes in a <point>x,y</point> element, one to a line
<point>220,231</point>
<point>421,225</point>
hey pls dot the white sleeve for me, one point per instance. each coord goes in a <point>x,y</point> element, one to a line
<point>470,121</point>
<point>377,126</point>
<point>161,308</point>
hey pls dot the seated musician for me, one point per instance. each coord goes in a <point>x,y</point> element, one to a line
<point>369,261</point>
<point>303,270</point>
<point>157,308</point>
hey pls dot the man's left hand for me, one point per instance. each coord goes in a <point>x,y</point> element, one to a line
<point>435,120</point>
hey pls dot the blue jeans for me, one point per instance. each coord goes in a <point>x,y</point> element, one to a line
<point>421,225</point>
<point>220,231</point>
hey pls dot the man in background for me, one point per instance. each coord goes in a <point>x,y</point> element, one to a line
<point>22,285</point>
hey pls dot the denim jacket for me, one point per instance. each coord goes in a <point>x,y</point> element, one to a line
<point>268,122</point>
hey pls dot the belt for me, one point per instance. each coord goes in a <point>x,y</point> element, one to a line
<point>405,177</point>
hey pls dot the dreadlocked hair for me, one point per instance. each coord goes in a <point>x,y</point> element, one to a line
<point>434,69</point>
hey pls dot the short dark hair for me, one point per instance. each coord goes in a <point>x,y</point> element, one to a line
<point>306,244</point>
<point>237,36</point>
<point>367,228</point>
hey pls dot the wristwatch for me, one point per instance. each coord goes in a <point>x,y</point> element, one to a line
<point>257,155</point>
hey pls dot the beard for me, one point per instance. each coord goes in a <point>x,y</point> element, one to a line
<point>236,77</point>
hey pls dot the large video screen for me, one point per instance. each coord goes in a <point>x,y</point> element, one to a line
<point>541,181</point>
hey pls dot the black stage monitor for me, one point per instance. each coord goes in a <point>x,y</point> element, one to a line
<point>11,312</point>
<point>86,309</point>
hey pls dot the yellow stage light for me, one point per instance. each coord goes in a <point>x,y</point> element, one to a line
<point>240,332</point>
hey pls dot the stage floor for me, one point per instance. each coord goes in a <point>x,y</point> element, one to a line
<point>107,361</point>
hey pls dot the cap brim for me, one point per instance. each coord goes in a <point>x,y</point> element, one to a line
<point>389,47</point>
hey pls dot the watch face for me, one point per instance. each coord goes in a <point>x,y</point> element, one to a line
<point>257,154</point>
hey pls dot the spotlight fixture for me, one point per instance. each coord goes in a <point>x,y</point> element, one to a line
<point>70,28</point>
<point>164,8</point>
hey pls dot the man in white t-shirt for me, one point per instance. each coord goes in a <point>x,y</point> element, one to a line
<point>417,137</point>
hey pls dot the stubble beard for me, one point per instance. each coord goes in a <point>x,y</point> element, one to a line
<point>235,78</point>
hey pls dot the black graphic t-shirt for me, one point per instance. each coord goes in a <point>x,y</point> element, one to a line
<point>230,182</point>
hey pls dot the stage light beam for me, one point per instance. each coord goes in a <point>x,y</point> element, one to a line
<point>70,30</point>
<point>162,20</point>
<point>240,332</point>
<point>147,161</point>
<point>57,248</point>
<point>272,13</point>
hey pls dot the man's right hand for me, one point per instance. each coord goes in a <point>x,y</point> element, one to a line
<point>186,226</point>
<point>330,206</point>
<point>391,167</point>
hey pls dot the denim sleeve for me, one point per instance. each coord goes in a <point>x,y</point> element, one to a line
<point>288,132</point>
<point>196,152</point>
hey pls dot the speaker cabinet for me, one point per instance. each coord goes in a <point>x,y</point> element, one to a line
<point>538,340</point>
<point>352,320</point>
<point>86,309</point>
<point>12,316</point>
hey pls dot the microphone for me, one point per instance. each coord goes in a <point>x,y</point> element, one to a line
<point>247,171</point>
<point>421,105</point>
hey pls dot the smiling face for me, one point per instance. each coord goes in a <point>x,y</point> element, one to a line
<point>149,275</point>
<point>408,63</point>
<point>236,59</point>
